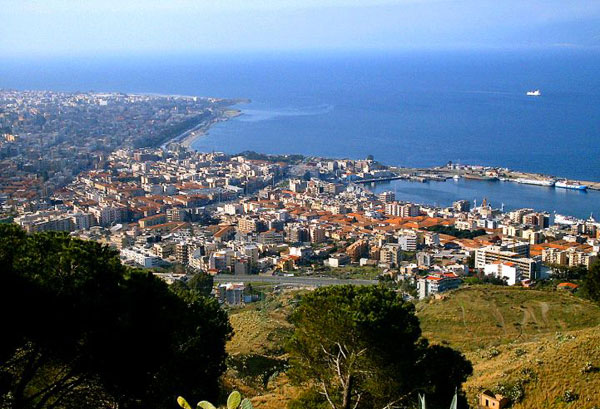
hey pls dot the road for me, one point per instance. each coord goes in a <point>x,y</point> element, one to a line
<point>293,281</point>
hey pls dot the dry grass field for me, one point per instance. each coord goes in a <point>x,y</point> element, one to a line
<point>547,342</point>
<point>544,345</point>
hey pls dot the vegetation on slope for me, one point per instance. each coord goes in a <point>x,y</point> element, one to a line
<point>257,359</point>
<point>482,316</point>
<point>361,347</point>
<point>541,348</point>
<point>82,330</point>
<point>549,357</point>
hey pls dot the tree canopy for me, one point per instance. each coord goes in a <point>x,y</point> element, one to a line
<point>80,329</point>
<point>591,283</point>
<point>361,347</point>
<point>453,231</point>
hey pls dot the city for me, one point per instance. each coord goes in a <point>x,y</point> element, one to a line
<point>300,204</point>
<point>270,215</point>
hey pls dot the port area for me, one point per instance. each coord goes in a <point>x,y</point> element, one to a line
<point>481,173</point>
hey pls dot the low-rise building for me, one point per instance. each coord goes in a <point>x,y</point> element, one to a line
<point>506,270</point>
<point>434,284</point>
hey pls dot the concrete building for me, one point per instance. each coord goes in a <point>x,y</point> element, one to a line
<point>297,234</point>
<point>530,267</point>
<point>177,214</point>
<point>231,293</point>
<point>391,254</point>
<point>387,197</point>
<point>357,249</point>
<point>152,220</point>
<point>141,257</point>
<point>489,400</point>
<point>424,259</point>
<point>461,205</point>
<point>402,210</point>
<point>106,216</point>
<point>338,260</point>
<point>317,234</point>
<point>408,242</point>
<point>504,270</point>
<point>434,284</point>
<point>182,253</point>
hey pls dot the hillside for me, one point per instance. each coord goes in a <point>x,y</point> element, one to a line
<point>539,344</point>
<point>257,357</point>
<point>481,316</point>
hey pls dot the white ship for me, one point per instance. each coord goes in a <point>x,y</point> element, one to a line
<point>568,220</point>
<point>537,182</point>
<point>565,184</point>
<point>535,93</point>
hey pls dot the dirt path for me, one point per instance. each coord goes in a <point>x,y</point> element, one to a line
<point>500,318</point>
<point>545,308</point>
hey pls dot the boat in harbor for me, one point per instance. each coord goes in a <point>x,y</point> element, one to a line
<point>535,93</point>
<point>565,184</point>
<point>567,220</point>
<point>536,182</point>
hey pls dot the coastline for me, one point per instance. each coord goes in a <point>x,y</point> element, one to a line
<point>474,172</point>
<point>419,175</point>
<point>187,139</point>
<point>222,114</point>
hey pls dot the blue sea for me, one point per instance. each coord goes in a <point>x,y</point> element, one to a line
<point>405,108</point>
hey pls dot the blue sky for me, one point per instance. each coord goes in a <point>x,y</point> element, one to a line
<point>49,27</point>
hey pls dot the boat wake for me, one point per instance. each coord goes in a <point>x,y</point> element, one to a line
<point>257,115</point>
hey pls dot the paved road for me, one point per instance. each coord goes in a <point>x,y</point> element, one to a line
<point>294,281</point>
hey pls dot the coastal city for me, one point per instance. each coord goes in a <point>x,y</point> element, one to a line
<point>47,138</point>
<point>122,175</point>
<point>300,204</point>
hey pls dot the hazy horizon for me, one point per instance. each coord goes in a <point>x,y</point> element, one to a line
<point>66,27</point>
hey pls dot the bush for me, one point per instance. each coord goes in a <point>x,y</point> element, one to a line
<point>569,396</point>
<point>588,367</point>
<point>515,391</point>
<point>520,352</point>
<point>490,353</point>
<point>309,399</point>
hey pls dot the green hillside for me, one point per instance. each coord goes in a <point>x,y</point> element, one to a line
<point>542,346</point>
<point>539,343</point>
<point>481,316</point>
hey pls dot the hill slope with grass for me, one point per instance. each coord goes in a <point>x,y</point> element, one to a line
<point>481,316</point>
<point>541,347</point>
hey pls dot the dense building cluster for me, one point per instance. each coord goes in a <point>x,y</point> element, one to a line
<point>172,209</point>
<point>218,214</point>
<point>47,138</point>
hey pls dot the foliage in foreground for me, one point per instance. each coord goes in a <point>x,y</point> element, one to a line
<point>234,401</point>
<point>591,283</point>
<point>361,347</point>
<point>80,329</point>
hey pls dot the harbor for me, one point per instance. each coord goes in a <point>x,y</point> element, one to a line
<point>500,194</point>
<point>490,174</point>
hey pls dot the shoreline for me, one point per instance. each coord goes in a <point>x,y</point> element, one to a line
<point>475,172</point>
<point>188,137</point>
<point>203,128</point>
<point>414,174</point>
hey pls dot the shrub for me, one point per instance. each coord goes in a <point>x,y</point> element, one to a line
<point>569,396</point>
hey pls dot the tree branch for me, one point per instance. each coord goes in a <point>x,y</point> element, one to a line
<point>326,393</point>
